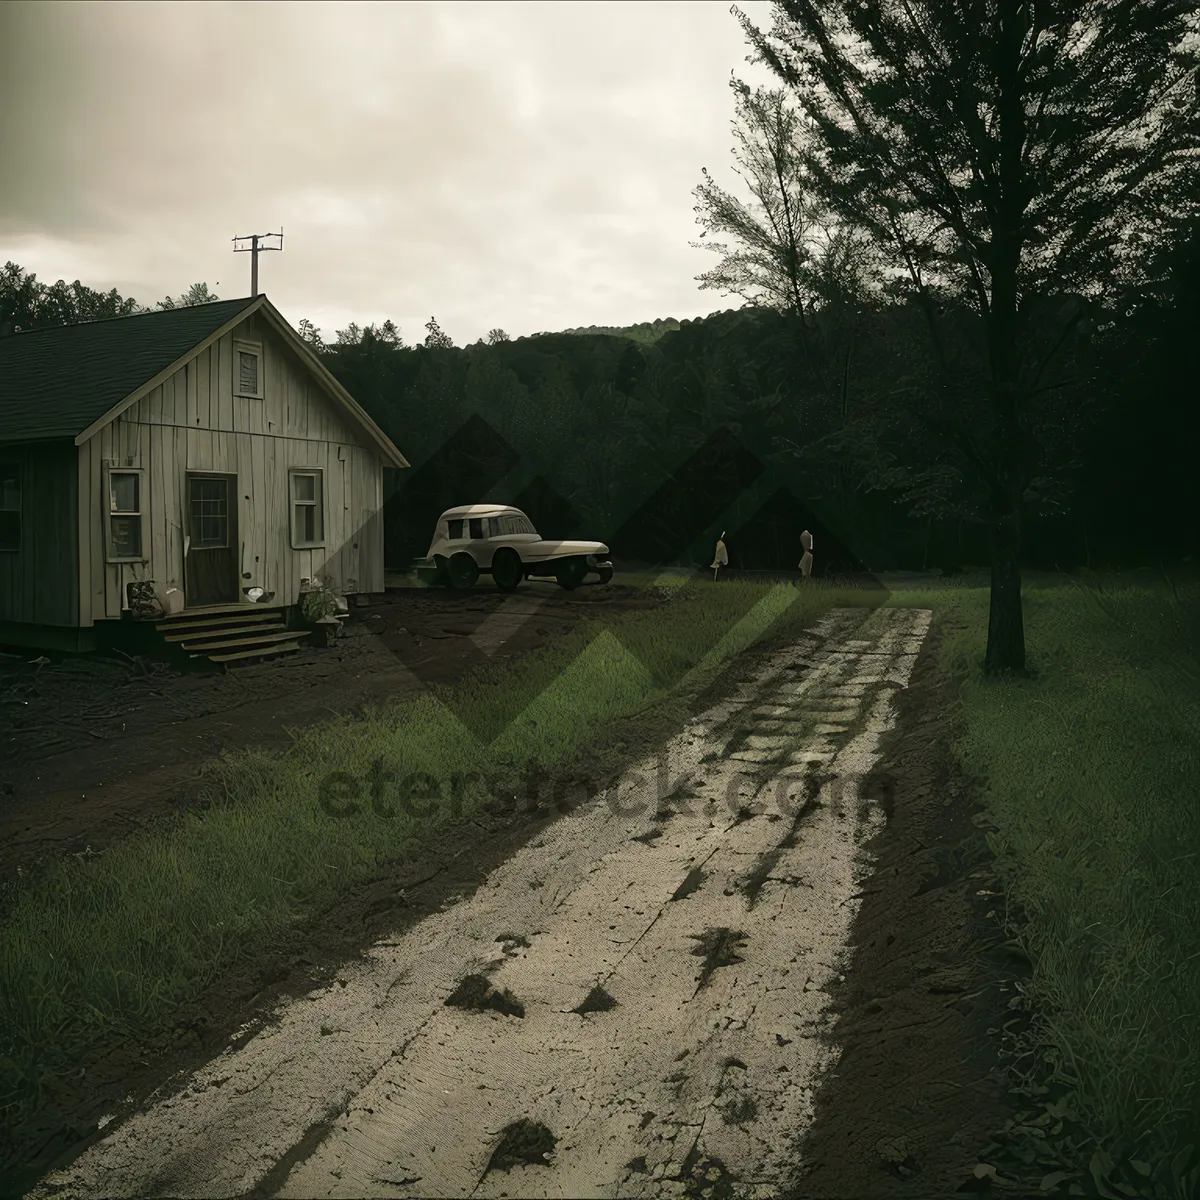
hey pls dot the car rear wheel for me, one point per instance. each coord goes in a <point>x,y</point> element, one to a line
<point>606,575</point>
<point>507,571</point>
<point>570,574</point>
<point>462,571</point>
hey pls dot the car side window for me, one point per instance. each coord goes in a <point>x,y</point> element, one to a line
<point>456,529</point>
<point>476,528</point>
<point>513,525</point>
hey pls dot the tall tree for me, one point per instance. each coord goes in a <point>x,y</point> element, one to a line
<point>198,293</point>
<point>310,334</point>
<point>495,336</point>
<point>784,234</point>
<point>28,303</point>
<point>787,250</point>
<point>435,339</point>
<point>1008,152</point>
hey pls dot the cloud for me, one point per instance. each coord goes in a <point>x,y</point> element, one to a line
<point>522,164</point>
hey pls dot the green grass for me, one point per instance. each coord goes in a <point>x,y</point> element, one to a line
<point>1092,772</point>
<point>105,948</point>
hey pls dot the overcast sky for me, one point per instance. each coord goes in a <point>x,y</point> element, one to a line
<point>522,165</point>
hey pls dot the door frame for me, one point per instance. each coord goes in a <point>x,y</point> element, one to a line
<point>231,533</point>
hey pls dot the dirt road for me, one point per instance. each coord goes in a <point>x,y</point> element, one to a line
<point>645,985</point>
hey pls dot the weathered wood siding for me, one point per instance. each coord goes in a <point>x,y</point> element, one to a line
<point>40,582</point>
<point>194,422</point>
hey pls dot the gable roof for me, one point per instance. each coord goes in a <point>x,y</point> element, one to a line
<point>56,381</point>
<point>68,381</point>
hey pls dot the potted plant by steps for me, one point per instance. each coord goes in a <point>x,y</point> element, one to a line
<point>322,609</point>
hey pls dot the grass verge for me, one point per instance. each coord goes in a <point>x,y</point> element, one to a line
<point>1092,769</point>
<point>102,949</point>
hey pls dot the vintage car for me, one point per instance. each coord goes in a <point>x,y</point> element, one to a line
<point>497,540</point>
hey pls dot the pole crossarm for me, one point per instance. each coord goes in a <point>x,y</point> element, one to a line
<point>256,240</point>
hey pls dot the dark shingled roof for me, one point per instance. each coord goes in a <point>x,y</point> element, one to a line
<point>55,382</point>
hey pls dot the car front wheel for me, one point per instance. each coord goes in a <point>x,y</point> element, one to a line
<point>507,571</point>
<point>606,574</point>
<point>571,574</point>
<point>462,571</point>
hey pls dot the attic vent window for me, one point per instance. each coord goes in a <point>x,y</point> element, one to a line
<point>247,366</point>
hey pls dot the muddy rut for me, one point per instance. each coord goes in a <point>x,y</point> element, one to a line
<point>635,1004</point>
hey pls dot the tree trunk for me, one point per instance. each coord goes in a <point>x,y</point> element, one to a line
<point>1006,622</point>
<point>1006,627</point>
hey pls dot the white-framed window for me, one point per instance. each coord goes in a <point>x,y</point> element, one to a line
<point>308,507</point>
<point>248,369</point>
<point>10,506</point>
<point>123,514</point>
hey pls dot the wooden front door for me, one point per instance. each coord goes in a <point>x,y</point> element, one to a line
<point>211,564</point>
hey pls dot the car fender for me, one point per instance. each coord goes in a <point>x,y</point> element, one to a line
<point>546,550</point>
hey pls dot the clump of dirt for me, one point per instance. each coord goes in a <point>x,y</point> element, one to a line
<point>707,1177</point>
<point>476,994</point>
<point>649,836</point>
<point>754,883</point>
<point>898,1155</point>
<point>719,948</point>
<point>740,1111</point>
<point>512,942</point>
<point>598,1000</point>
<point>522,1142</point>
<point>691,883</point>
<point>808,806</point>
<point>638,1164</point>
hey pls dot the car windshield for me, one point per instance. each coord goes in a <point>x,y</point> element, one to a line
<point>512,523</point>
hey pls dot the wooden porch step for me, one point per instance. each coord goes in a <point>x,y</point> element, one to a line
<point>236,616</point>
<point>278,648</point>
<point>224,631</point>
<point>215,610</point>
<point>196,649</point>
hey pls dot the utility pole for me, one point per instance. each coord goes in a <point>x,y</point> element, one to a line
<point>254,239</point>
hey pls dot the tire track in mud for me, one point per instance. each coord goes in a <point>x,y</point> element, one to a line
<point>669,946</point>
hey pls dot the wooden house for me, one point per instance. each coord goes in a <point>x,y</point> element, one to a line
<point>205,449</point>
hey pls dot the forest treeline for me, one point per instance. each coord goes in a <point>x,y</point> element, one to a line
<point>603,419</point>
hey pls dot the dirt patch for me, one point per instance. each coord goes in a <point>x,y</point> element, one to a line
<point>95,748</point>
<point>476,994</point>
<point>691,883</point>
<point>597,1000</point>
<point>718,948</point>
<point>917,1092</point>
<point>523,1142</point>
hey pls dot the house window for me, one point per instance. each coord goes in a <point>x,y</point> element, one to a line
<point>123,490</point>
<point>10,506</point>
<point>308,513</point>
<point>247,370</point>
